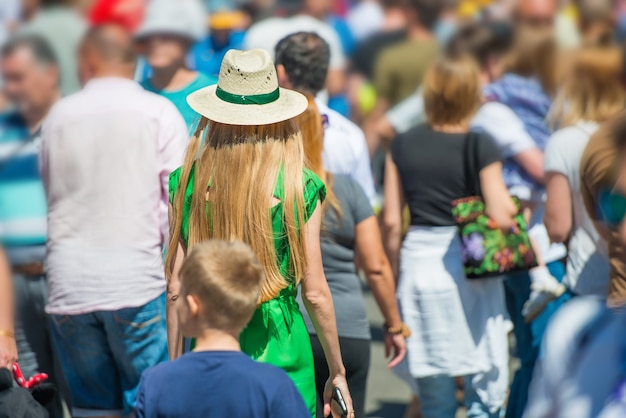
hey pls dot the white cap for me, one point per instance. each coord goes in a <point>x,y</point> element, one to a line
<point>186,18</point>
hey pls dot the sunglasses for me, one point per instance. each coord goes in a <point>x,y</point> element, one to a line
<point>611,207</point>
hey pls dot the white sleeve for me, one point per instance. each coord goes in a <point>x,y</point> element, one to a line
<point>505,127</point>
<point>362,173</point>
<point>408,113</point>
<point>555,154</point>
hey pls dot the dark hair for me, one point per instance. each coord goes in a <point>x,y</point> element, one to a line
<point>37,45</point>
<point>427,11</point>
<point>481,41</point>
<point>305,56</point>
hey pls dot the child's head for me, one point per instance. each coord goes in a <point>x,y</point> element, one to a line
<point>221,282</point>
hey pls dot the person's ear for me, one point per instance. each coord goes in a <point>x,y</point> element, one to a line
<point>194,306</point>
<point>283,78</point>
<point>53,75</point>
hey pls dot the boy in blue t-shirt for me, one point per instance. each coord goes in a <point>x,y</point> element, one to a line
<point>220,286</point>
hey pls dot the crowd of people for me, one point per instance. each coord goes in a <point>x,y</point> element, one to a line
<point>195,195</point>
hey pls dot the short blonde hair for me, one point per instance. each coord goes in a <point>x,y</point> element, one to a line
<point>452,91</point>
<point>227,278</point>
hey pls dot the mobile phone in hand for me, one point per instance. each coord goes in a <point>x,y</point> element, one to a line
<point>338,398</point>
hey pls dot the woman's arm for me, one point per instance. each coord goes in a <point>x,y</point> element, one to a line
<point>372,259</point>
<point>499,205</point>
<point>319,304</point>
<point>392,214</point>
<point>531,160</point>
<point>558,210</point>
<point>174,333</point>
<point>8,347</point>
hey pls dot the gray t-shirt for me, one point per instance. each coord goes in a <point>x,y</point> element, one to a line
<point>587,270</point>
<point>337,242</point>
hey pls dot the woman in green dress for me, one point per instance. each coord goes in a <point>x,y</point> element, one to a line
<point>244,178</point>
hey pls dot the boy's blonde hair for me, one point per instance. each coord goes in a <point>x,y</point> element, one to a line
<point>227,278</point>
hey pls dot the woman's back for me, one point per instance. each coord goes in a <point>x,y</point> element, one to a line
<point>432,170</point>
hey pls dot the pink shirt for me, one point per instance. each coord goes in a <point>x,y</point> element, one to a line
<point>107,152</point>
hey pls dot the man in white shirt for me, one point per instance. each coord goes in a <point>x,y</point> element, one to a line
<point>107,152</point>
<point>301,64</point>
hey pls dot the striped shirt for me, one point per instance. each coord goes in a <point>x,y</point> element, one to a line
<point>22,199</point>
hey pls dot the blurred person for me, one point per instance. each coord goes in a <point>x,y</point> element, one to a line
<point>106,156</point>
<point>302,61</point>
<point>31,76</point>
<point>591,95</point>
<point>127,13</point>
<point>581,371</point>
<point>350,236</point>
<point>166,35</point>
<point>220,286</point>
<point>268,32</point>
<point>248,150</point>
<point>10,17</point>
<point>365,19</point>
<point>515,115</point>
<point>597,22</point>
<point>59,23</point>
<point>226,31</point>
<point>361,71</point>
<point>459,327</point>
<point>8,346</point>
<point>604,202</point>
<point>399,69</point>
<point>323,10</point>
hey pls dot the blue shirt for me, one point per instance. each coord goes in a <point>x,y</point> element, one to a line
<point>206,56</point>
<point>23,208</point>
<point>179,97</point>
<point>218,384</point>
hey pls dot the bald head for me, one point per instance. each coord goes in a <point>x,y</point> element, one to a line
<point>107,50</point>
<point>536,12</point>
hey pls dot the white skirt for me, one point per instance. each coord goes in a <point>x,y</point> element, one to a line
<point>459,327</point>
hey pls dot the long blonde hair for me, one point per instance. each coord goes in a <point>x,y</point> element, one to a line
<point>312,128</point>
<point>236,174</point>
<point>591,90</point>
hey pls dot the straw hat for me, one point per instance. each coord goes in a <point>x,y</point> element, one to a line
<point>247,92</point>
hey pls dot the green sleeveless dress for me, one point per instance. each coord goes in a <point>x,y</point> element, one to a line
<point>276,333</point>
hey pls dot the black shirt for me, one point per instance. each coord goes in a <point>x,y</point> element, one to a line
<point>432,171</point>
<point>366,53</point>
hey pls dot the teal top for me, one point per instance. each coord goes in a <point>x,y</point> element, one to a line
<point>179,97</point>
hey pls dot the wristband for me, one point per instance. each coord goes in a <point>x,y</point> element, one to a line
<point>403,330</point>
<point>5,333</point>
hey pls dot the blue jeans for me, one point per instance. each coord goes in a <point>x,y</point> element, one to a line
<point>527,336</point>
<point>438,398</point>
<point>103,355</point>
<point>32,335</point>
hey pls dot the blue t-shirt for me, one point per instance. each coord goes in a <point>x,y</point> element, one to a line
<point>179,97</point>
<point>218,384</point>
<point>23,208</point>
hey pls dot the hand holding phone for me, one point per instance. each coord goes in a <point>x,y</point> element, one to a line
<point>340,402</point>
